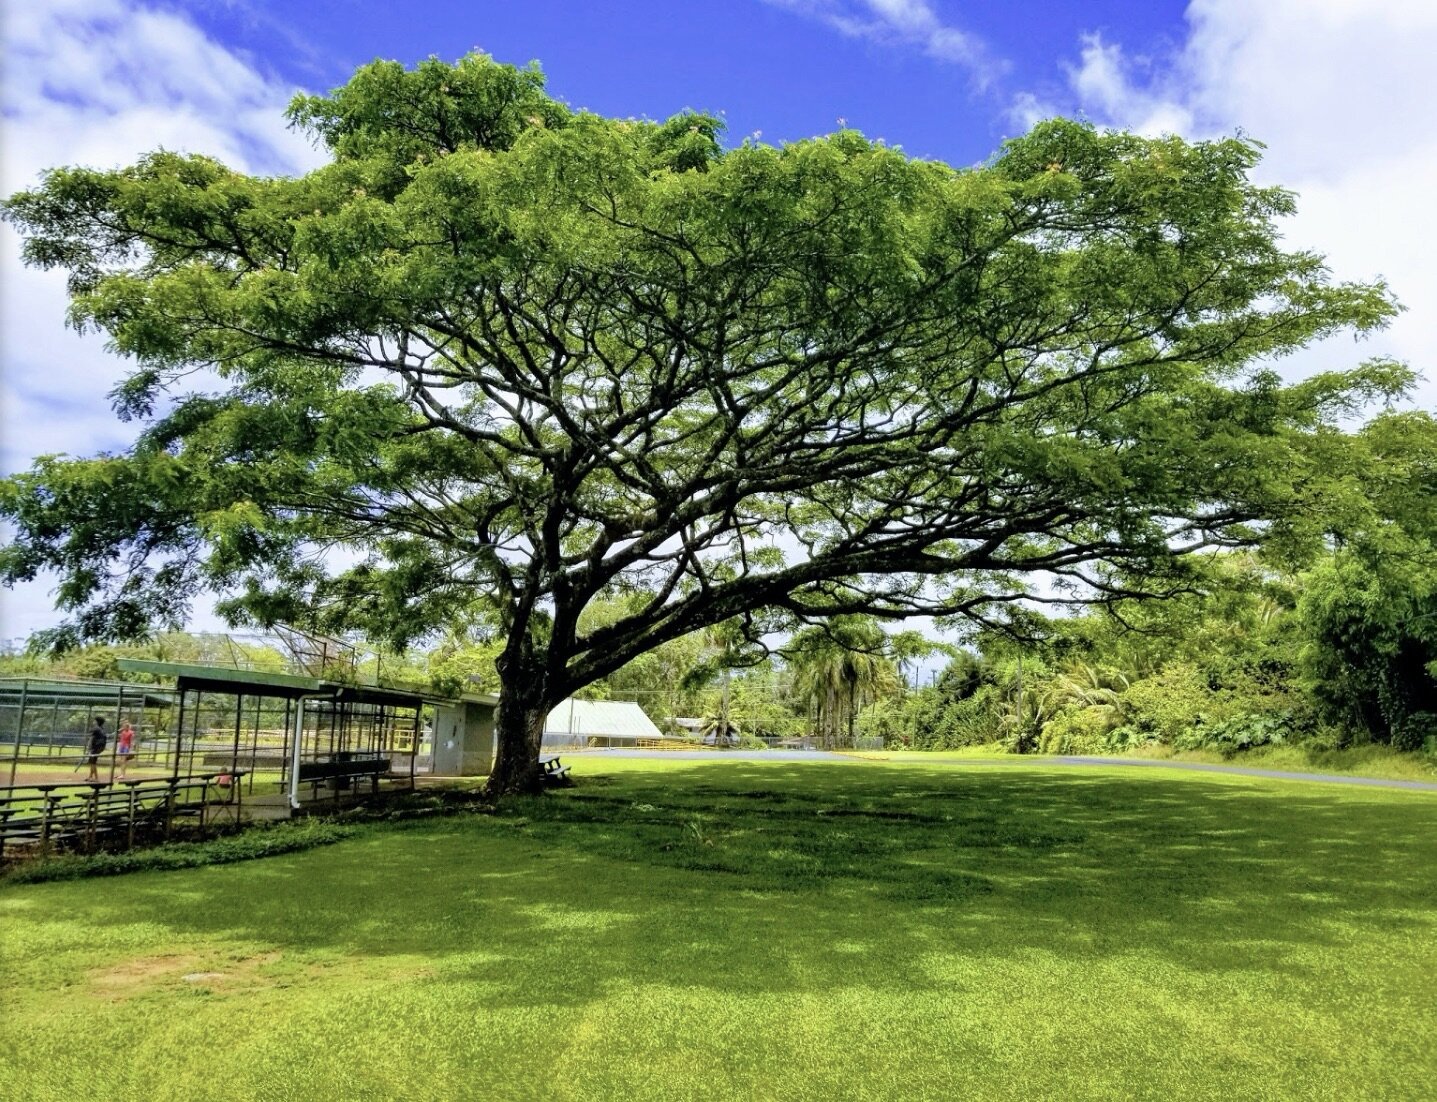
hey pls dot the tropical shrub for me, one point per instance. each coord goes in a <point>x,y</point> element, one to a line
<point>1245,731</point>
<point>1077,731</point>
<point>1166,706</point>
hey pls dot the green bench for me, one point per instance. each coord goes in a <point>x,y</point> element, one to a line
<point>343,772</point>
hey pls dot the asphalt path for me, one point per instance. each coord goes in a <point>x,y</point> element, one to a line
<point>1075,761</point>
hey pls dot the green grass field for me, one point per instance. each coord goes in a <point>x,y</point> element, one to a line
<point>675,930</point>
<point>1377,762</point>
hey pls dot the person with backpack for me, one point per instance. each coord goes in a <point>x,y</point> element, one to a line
<point>96,746</point>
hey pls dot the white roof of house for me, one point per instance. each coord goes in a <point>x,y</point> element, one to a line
<point>615,719</point>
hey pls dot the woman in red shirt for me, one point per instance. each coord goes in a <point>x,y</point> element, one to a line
<point>125,747</point>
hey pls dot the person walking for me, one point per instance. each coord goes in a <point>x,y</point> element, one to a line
<point>96,746</point>
<point>125,747</point>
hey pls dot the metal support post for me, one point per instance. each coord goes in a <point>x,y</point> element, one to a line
<point>19,729</point>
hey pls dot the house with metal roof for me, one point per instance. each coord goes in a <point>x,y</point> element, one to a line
<point>577,723</point>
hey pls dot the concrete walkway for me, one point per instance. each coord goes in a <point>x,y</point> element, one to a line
<point>1071,760</point>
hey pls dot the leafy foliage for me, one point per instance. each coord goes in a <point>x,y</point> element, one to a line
<point>838,668</point>
<point>499,360</point>
<point>1370,611</point>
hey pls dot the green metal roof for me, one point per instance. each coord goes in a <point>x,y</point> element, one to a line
<point>377,694</point>
<point>87,692</point>
<point>221,679</point>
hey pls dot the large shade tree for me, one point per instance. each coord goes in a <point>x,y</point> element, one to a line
<point>500,358</point>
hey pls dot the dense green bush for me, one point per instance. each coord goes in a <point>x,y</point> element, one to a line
<point>1240,732</point>
<point>1077,731</point>
<point>962,709</point>
<point>1166,707</point>
<point>244,845</point>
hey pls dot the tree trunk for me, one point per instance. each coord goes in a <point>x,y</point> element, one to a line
<point>830,717</point>
<point>852,715</point>
<point>519,731</point>
<point>723,708</point>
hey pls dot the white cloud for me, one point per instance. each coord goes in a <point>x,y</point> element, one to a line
<point>1105,83</point>
<point>1340,94</point>
<point>902,22</point>
<point>97,83</point>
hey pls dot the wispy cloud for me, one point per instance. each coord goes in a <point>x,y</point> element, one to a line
<point>909,23</point>
<point>1110,83</point>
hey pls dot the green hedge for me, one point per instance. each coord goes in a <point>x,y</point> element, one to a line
<point>245,845</point>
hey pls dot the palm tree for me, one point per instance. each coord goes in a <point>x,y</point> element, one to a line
<point>1023,713</point>
<point>718,651</point>
<point>1084,685</point>
<point>719,726</point>
<point>840,667</point>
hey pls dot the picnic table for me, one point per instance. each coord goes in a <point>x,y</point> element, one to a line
<point>555,772</point>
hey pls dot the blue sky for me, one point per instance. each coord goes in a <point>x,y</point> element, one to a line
<point>1338,89</point>
<point>785,69</point>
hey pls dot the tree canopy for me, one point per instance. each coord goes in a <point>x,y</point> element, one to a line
<point>1370,609</point>
<point>499,359</point>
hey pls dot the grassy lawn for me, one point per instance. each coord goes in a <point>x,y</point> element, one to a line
<point>673,930</point>
<point>1380,762</point>
<point>1357,761</point>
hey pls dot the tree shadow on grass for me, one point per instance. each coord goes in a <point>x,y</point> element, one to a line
<point>783,878</point>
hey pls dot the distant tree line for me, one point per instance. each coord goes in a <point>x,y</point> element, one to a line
<point>1340,654</point>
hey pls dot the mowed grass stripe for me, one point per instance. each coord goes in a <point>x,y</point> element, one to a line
<point>719,930</point>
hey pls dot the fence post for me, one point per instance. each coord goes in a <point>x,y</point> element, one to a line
<point>19,729</point>
<point>254,741</point>
<point>54,722</point>
<point>115,737</point>
<point>45,824</point>
<point>239,720</point>
<point>286,755</point>
<point>179,735</point>
<point>92,833</point>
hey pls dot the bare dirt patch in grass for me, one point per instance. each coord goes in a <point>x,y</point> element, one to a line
<point>129,977</point>
<point>139,975</point>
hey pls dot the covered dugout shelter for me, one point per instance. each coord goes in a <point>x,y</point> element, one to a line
<point>221,747</point>
<point>45,721</point>
<point>306,739</point>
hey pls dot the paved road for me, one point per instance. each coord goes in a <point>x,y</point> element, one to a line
<point>824,755</point>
